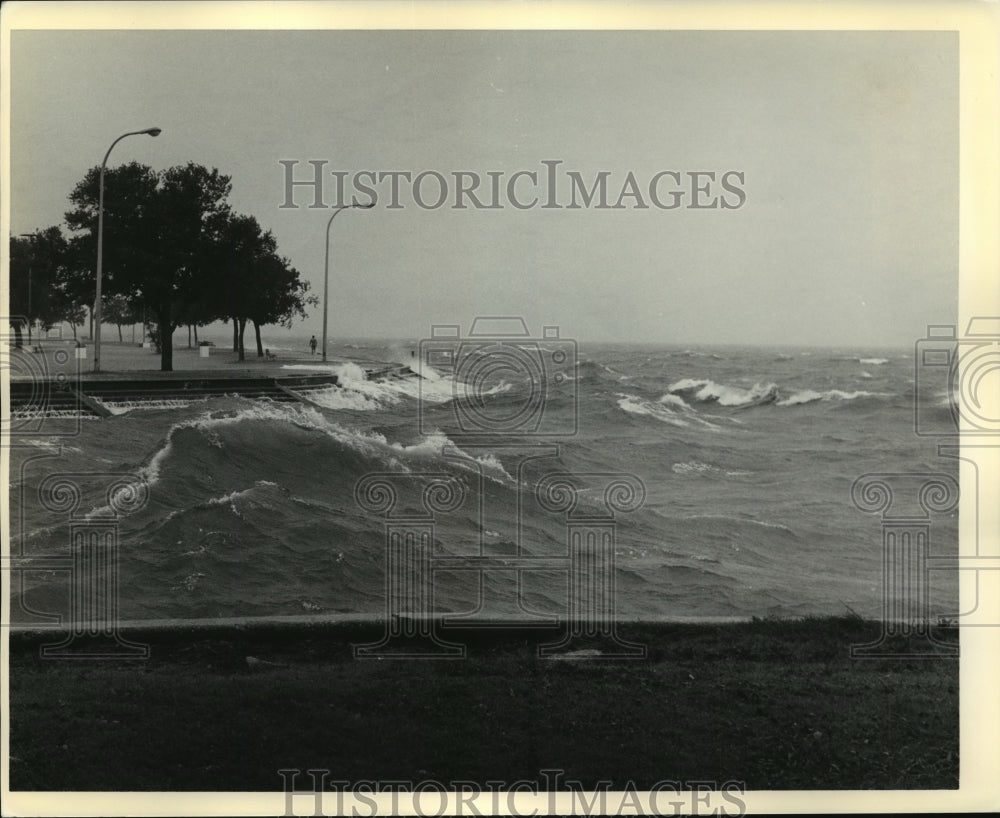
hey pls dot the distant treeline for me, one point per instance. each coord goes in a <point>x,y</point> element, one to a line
<point>174,254</point>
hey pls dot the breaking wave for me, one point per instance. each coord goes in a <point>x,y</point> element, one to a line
<point>707,391</point>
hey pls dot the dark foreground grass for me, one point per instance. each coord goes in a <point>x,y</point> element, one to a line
<point>772,704</point>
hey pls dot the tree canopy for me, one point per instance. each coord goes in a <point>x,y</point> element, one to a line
<point>39,276</point>
<point>174,250</point>
<point>253,282</point>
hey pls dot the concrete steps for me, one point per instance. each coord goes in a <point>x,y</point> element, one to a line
<point>87,397</point>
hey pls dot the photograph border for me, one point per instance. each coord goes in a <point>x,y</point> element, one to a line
<point>978,25</point>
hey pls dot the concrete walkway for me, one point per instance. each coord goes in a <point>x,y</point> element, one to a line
<point>55,380</point>
<point>132,362</point>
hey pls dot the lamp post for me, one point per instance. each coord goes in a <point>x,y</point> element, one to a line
<point>326,265</point>
<point>30,237</point>
<point>100,243</point>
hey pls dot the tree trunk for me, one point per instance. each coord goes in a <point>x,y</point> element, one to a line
<point>196,335</point>
<point>189,336</point>
<point>166,332</point>
<point>242,350</point>
<point>72,326</point>
<point>91,311</point>
<point>120,339</point>
<point>236,334</point>
<point>260,346</point>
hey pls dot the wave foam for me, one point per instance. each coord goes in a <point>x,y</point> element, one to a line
<point>668,408</point>
<point>121,407</point>
<point>354,391</point>
<point>810,395</point>
<point>741,520</point>
<point>724,395</point>
<point>674,400</point>
<point>150,470</point>
<point>368,443</point>
<point>635,405</point>
<point>697,467</point>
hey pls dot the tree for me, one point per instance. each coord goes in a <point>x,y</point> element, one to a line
<point>120,309</point>
<point>281,297</point>
<point>20,289</point>
<point>253,282</point>
<point>237,243</point>
<point>75,315</point>
<point>38,272</point>
<point>174,251</point>
<point>157,236</point>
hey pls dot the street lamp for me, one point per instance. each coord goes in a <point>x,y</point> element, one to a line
<point>326,266</point>
<point>100,244</point>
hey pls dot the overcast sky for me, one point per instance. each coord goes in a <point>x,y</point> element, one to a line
<point>847,142</point>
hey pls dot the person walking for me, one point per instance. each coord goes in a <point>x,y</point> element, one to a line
<point>312,345</point>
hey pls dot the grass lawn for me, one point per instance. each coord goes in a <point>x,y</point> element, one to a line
<point>773,704</point>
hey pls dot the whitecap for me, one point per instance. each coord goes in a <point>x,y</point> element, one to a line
<point>665,409</point>
<point>354,390</point>
<point>694,467</point>
<point>751,520</point>
<point>637,406</point>
<point>723,394</point>
<point>810,395</point>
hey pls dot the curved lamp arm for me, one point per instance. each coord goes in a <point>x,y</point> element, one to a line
<point>326,263</point>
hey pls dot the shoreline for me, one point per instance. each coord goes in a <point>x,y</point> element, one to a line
<point>830,639</point>
<point>292,622</point>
